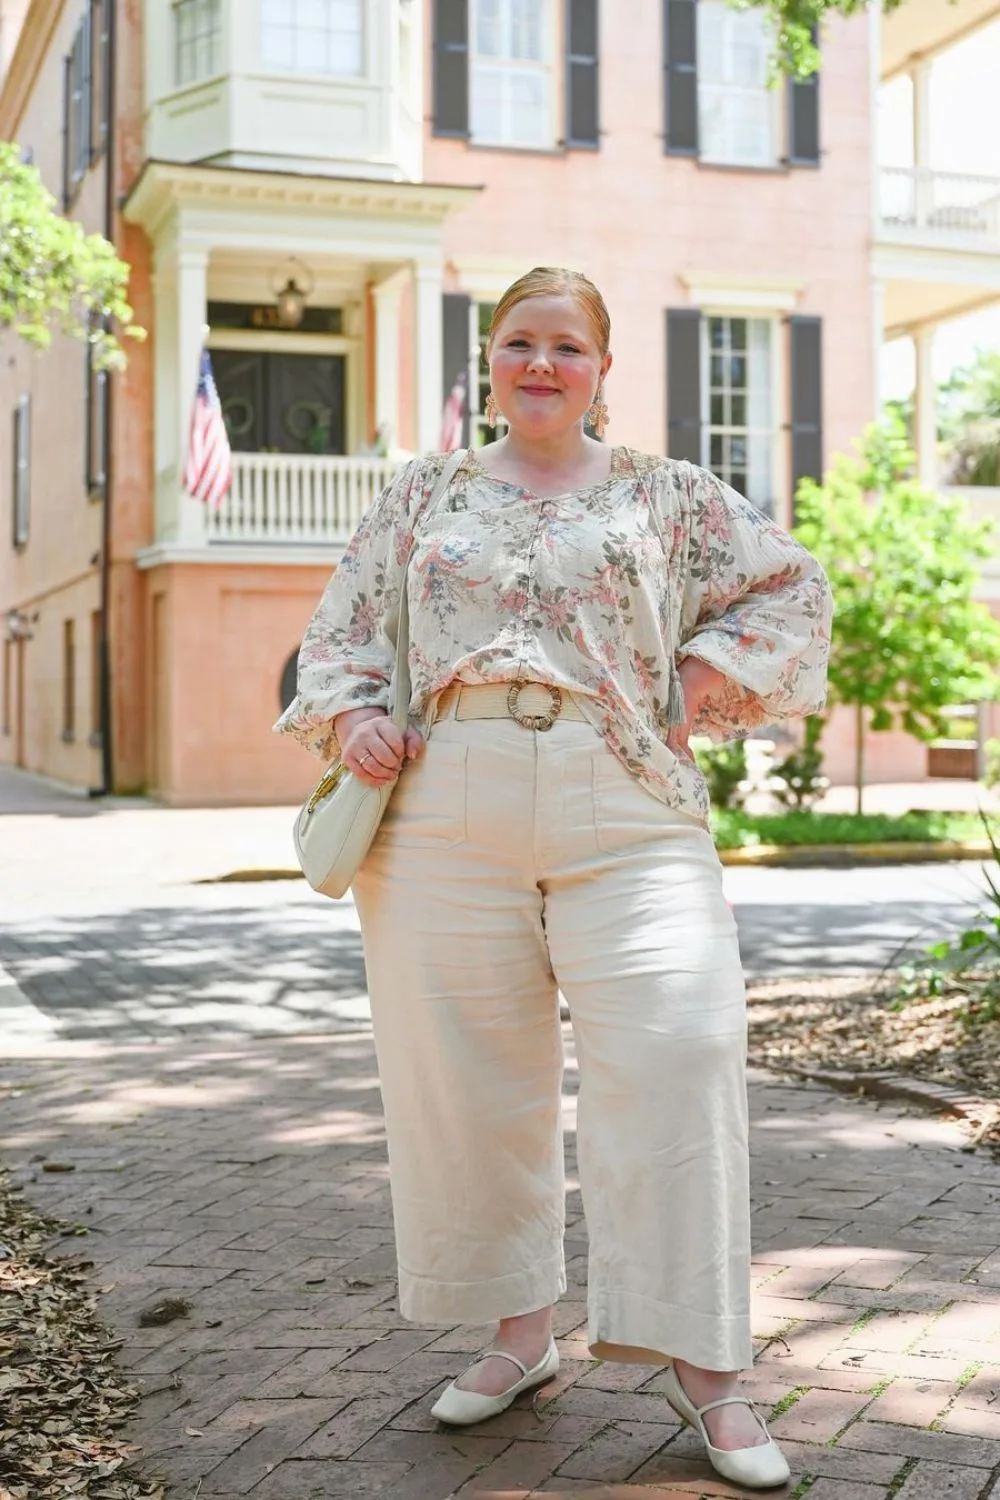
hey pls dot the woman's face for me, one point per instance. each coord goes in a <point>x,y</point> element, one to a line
<point>545,365</point>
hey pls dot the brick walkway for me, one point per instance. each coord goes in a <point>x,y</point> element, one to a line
<point>250,1178</point>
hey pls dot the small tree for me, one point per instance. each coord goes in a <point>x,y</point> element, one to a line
<point>908,639</point>
<point>52,273</point>
<point>970,421</point>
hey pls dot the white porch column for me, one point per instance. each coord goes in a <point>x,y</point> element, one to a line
<point>192,311</point>
<point>179,289</point>
<point>925,407</point>
<point>387,296</point>
<point>428,353</point>
<point>920,78</point>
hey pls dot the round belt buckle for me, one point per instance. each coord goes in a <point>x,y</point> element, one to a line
<point>534,721</point>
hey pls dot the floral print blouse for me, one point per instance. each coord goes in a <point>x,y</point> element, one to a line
<point>600,591</point>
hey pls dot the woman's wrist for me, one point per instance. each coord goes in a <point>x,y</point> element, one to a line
<point>701,682</point>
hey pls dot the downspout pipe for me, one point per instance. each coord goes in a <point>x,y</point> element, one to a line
<point>104,647</point>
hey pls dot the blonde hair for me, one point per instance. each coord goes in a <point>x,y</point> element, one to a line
<point>555,281</point>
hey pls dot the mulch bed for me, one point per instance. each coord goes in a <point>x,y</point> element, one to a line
<point>856,1024</point>
<point>62,1400</point>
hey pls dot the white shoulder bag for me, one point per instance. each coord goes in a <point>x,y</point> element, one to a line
<point>335,828</point>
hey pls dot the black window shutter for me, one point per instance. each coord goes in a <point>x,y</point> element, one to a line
<point>451,67</point>
<point>803,118</point>
<point>684,384</point>
<point>67,116</point>
<point>582,117</point>
<point>455,312</point>
<point>806,372</point>
<point>680,76</point>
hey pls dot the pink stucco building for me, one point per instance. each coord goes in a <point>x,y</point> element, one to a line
<point>393,164</point>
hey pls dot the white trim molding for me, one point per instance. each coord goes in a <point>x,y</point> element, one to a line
<point>718,292</point>
<point>485,278</point>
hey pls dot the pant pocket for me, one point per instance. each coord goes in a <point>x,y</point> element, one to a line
<point>627,815</point>
<point>428,808</point>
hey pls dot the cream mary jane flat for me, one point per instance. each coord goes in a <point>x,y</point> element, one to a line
<point>760,1468</point>
<point>462,1408</point>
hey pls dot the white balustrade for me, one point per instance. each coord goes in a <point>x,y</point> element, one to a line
<point>283,498</point>
<point>941,204</point>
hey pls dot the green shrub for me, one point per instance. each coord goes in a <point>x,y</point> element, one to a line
<point>801,773</point>
<point>724,767</point>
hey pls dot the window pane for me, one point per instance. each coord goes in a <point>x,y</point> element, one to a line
<point>718,371</point>
<point>715,451</point>
<point>487,105</point>
<point>738,414</point>
<point>313,36</point>
<point>737,371</point>
<point>526,29</point>
<point>489,35</point>
<point>529,109</point>
<point>717,411</point>
<point>736,110</point>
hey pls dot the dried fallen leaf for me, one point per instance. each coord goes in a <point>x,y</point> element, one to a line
<point>193,1432</point>
<point>167,1311</point>
<point>64,1403</point>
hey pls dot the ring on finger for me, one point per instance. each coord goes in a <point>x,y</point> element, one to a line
<point>367,756</point>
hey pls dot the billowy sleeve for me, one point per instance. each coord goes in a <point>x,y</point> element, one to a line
<point>758,607</point>
<point>348,655</point>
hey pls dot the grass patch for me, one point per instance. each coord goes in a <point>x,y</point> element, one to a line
<point>879,1388</point>
<point>803,1487</point>
<point>733,829</point>
<point>861,1321</point>
<point>900,1477</point>
<point>788,1401</point>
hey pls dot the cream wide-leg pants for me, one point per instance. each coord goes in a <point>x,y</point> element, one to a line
<point>512,863</point>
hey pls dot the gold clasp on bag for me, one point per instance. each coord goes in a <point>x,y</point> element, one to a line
<point>534,721</point>
<point>325,786</point>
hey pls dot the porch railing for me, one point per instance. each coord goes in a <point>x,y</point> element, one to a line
<point>941,205</point>
<point>285,498</point>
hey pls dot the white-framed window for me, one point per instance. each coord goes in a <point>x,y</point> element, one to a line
<point>738,402</point>
<point>22,472</point>
<point>739,117</point>
<point>480,432</point>
<point>197,28</point>
<point>511,78</point>
<point>313,36</point>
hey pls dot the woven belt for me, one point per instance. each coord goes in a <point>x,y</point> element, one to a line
<point>533,705</point>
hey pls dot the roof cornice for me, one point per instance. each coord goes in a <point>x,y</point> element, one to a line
<point>163,187</point>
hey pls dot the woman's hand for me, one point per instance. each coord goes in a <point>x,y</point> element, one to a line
<point>372,748</point>
<point>700,683</point>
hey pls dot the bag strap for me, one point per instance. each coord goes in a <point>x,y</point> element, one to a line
<point>401,685</point>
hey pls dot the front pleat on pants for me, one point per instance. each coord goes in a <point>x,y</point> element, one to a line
<point>513,864</point>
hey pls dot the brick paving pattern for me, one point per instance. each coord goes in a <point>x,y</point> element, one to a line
<point>249,1178</point>
<point>200,1056</point>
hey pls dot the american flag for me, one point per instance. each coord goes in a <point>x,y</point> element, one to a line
<point>454,412</point>
<point>209,469</point>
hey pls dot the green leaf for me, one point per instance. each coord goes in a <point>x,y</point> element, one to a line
<point>55,276</point>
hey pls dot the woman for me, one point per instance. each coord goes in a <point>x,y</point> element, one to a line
<point>577,612</point>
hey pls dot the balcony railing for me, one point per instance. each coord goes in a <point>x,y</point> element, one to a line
<point>941,206</point>
<point>282,498</point>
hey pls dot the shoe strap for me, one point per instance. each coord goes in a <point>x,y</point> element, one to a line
<point>499,1354</point>
<point>732,1401</point>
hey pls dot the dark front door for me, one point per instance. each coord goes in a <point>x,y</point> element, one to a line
<point>282,403</point>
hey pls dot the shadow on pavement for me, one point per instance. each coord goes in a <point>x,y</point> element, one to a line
<point>157,971</point>
<point>250,1179</point>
